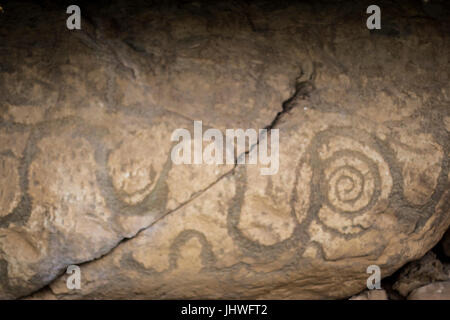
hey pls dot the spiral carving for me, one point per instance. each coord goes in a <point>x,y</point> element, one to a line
<point>354,178</point>
<point>342,182</point>
<point>350,185</point>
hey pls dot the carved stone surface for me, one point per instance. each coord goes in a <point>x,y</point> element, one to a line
<point>85,127</point>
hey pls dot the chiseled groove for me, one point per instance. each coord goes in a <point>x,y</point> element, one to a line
<point>303,90</point>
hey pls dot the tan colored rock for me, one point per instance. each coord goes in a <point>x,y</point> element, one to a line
<point>371,295</point>
<point>432,291</point>
<point>238,240</point>
<point>85,125</point>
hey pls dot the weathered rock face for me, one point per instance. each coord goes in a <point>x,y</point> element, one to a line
<point>419,273</point>
<point>371,295</point>
<point>433,291</point>
<point>86,124</point>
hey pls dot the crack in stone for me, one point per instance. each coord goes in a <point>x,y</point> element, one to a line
<point>303,88</point>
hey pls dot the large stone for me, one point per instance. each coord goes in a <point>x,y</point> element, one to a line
<point>291,235</point>
<point>432,291</point>
<point>86,122</point>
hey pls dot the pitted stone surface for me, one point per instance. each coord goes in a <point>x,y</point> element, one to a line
<point>85,127</point>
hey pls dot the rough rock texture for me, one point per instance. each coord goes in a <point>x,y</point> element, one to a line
<point>433,291</point>
<point>86,120</point>
<point>418,273</point>
<point>371,295</point>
